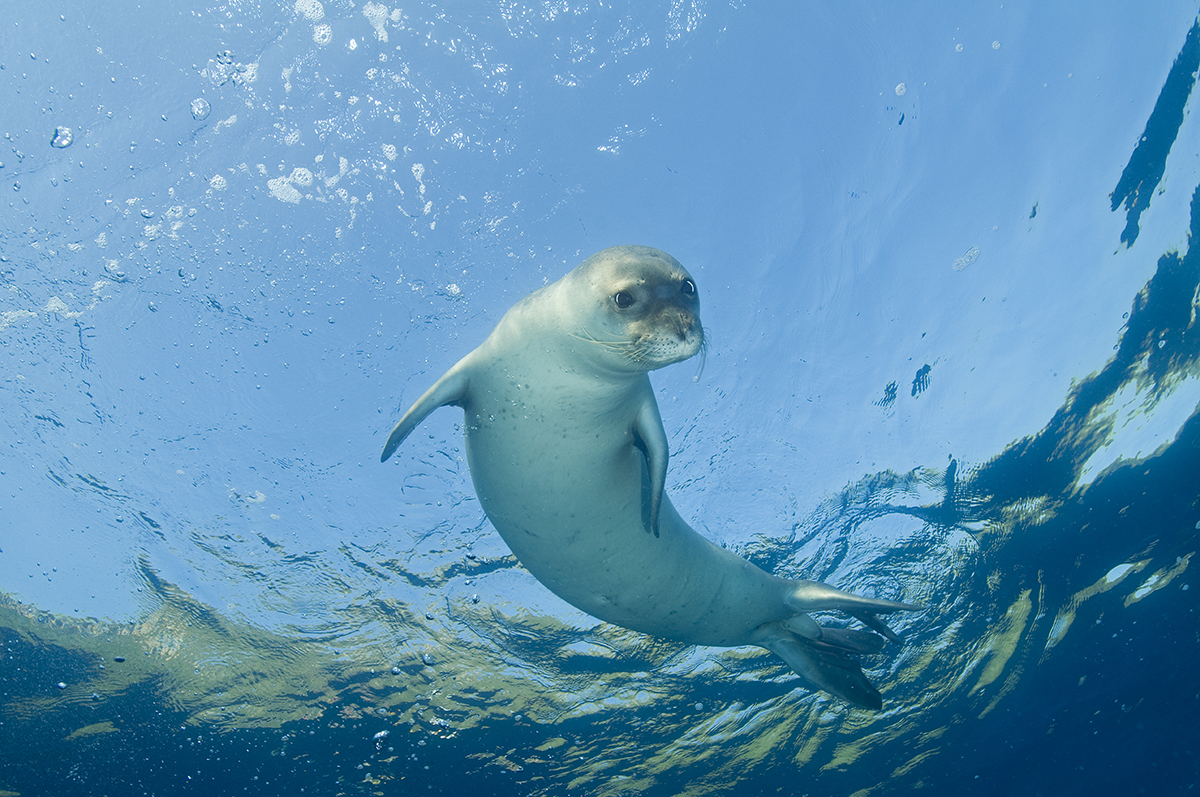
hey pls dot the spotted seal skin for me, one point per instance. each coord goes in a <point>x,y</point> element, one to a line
<point>569,459</point>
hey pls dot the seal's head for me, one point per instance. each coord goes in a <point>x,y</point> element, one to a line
<point>643,308</point>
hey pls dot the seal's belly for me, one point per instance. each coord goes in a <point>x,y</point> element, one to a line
<point>571,507</point>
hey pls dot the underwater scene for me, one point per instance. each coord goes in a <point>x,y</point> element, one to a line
<point>943,259</point>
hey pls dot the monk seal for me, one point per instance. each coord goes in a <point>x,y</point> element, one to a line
<point>569,459</point>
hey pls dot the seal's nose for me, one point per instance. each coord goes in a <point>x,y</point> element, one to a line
<point>684,324</point>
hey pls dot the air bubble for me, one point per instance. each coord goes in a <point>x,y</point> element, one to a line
<point>200,109</point>
<point>62,138</point>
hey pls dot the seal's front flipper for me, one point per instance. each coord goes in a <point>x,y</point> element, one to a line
<point>825,664</point>
<point>813,596</point>
<point>651,438</point>
<point>450,389</point>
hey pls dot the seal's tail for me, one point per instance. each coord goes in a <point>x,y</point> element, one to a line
<point>825,657</point>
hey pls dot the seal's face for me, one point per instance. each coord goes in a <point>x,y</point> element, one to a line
<point>646,307</point>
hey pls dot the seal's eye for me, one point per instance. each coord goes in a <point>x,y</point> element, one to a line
<point>688,288</point>
<point>624,300</point>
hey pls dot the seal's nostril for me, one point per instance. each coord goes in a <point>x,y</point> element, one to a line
<point>681,326</point>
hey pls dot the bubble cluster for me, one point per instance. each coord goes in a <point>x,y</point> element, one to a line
<point>224,69</point>
<point>302,176</point>
<point>310,9</point>
<point>377,14</point>
<point>284,191</point>
<point>284,188</point>
<point>968,257</point>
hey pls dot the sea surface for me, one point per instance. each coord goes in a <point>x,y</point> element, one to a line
<point>946,266</point>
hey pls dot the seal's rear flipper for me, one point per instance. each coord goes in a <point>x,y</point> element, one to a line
<point>879,626</point>
<point>450,389</point>
<point>847,640</point>
<point>813,596</point>
<point>825,665</point>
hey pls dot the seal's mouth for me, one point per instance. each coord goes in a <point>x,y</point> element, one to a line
<point>657,348</point>
<point>666,346</point>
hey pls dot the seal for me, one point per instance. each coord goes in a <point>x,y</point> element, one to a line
<point>568,456</point>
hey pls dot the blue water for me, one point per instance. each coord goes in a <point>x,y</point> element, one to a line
<point>946,273</point>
